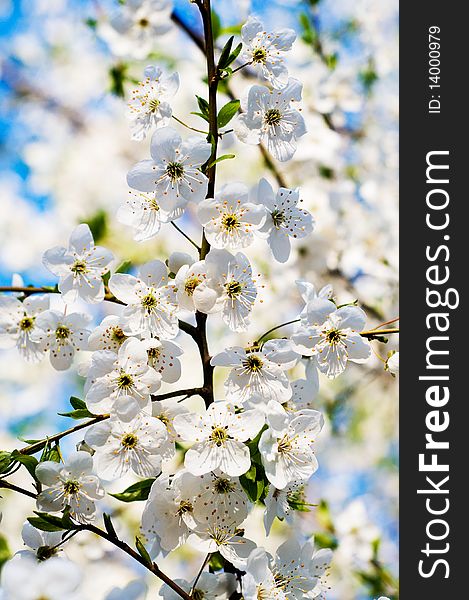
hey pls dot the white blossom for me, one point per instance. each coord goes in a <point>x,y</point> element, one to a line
<point>121,447</point>
<point>71,484</point>
<point>264,50</point>
<point>336,341</point>
<point>284,220</point>
<point>108,335</point>
<point>229,219</point>
<point>150,300</point>
<point>80,267</point>
<point>221,497</point>
<point>231,277</point>
<point>318,305</point>
<point>258,376</point>
<point>193,288</point>
<point>54,579</point>
<point>166,411</point>
<point>269,117</point>
<point>18,321</point>
<point>278,503</point>
<point>149,104</point>
<point>163,357</point>
<point>122,383</point>
<point>43,544</point>
<point>392,364</point>
<point>218,437</point>
<point>286,447</point>
<point>62,335</point>
<point>173,172</point>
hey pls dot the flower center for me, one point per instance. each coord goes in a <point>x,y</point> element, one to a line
<point>253,363</point>
<point>223,486</point>
<point>163,418</point>
<point>198,594</point>
<point>79,267</point>
<point>118,335</point>
<point>125,381</point>
<point>144,22</point>
<point>26,323</point>
<point>153,204</point>
<point>153,104</point>
<point>333,336</point>
<point>175,171</point>
<point>129,441</point>
<point>219,435</point>
<point>273,116</point>
<point>45,552</point>
<point>230,222</point>
<point>154,353</point>
<point>62,332</point>
<point>278,217</point>
<point>71,487</point>
<point>259,55</point>
<point>233,289</point>
<point>184,507</point>
<point>149,302</point>
<point>284,445</point>
<point>190,284</point>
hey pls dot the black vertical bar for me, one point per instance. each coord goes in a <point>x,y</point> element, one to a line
<point>434,399</point>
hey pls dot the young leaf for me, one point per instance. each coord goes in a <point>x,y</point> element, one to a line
<point>28,461</point>
<point>225,54</point>
<point>227,112</point>
<point>203,106</point>
<point>51,453</point>
<point>204,117</point>
<point>5,460</point>
<point>143,552</point>
<point>220,158</point>
<point>81,413</point>
<point>46,522</point>
<point>109,526</point>
<point>77,403</point>
<point>217,562</point>
<point>137,491</point>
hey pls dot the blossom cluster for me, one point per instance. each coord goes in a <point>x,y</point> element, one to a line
<point>263,427</point>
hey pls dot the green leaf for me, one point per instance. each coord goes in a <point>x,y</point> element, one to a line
<point>220,158</point>
<point>216,25</point>
<point>77,403</point>
<point>109,526</point>
<point>98,225</point>
<point>5,553</point>
<point>5,460</point>
<point>28,461</point>
<point>137,491</point>
<point>217,562</point>
<point>46,522</point>
<point>204,117</point>
<point>203,106</point>
<point>143,552</point>
<point>227,112</point>
<point>81,413</point>
<point>225,54</point>
<point>51,453</point>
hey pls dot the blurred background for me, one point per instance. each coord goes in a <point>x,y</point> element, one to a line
<point>65,149</point>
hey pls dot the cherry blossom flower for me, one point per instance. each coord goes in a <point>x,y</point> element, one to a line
<point>259,580</point>
<point>286,447</point>
<point>218,437</point>
<point>229,219</point>
<point>210,586</point>
<point>193,288</point>
<point>149,104</point>
<point>42,544</point>
<point>258,376</point>
<point>121,447</point>
<point>221,497</point>
<point>318,305</point>
<point>269,117</point>
<point>336,341</point>
<point>108,335</point>
<point>18,321</point>
<point>150,299</point>
<point>163,357</point>
<point>278,503</point>
<point>144,214</point>
<point>264,50</point>
<point>168,513</point>
<point>284,219</point>
<point>173,172</point>
<point>392,364</point>
<point>122,383</point>
<point>54,579</point>
<point>231,277</point>
<point>80,267</point>
<point>166,411</point>
<point>62,335</point>
<point>224,538</point>
<point>71,484</point>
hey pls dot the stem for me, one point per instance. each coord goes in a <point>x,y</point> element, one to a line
<point>277,327</point>
<point>14,488</point>
<point>188,393</point>
<point>196,580</point>
<point>387,323</point>
<point>153,568</point>
<point>377,332</point>
<point>185,235</point>
<point>241,67</point>
<point>188,126</point>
